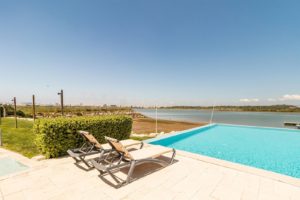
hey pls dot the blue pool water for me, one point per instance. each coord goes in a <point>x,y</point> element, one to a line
<point>9,166</point>
<point>272,149</point>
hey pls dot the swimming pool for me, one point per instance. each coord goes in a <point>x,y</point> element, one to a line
<point>9,166</point>
<point>272,149</point>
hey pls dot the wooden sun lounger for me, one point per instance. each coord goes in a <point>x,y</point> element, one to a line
<point>134,158</point>
<point>92,147</point>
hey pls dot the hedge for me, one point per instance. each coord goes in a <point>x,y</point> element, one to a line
<point>55,136</point>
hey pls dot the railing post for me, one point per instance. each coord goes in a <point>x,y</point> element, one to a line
<point>156,119</point>
<point>0,138</point>
<point>61,93</point>
<point>15,111</point>
<point>33,107</point>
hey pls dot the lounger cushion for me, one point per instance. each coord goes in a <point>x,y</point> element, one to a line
<point>150,152</point>
<point>125,143</point>
<point>106,146</point>
<point>130,142</point>
<point>91,138</point>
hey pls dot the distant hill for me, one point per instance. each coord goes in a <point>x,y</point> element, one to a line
<point>273,108</point>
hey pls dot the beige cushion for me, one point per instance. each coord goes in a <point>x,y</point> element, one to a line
<point>91,139</point>
<point>150,152</point>
<point>106,146</point>
<point>119,147</point>
<point>130,142</point>
<point>125,143</point>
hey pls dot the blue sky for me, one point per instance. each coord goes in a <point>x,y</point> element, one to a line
<point>142,52</point>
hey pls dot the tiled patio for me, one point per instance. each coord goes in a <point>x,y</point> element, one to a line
<point>187,178</point>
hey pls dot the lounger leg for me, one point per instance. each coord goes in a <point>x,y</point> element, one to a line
<point>76,160</point>
<point>173,156</point>
<point>113,176</point>
<point>101,156</point>
<point>132,166</point>
<point>84,161</point>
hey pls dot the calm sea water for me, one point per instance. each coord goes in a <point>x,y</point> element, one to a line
<point>266,119</point>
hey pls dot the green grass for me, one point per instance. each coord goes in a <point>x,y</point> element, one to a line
<point>19,139</point>
<point>141,138</point>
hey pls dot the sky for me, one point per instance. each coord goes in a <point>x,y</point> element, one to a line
<point>151,52</point>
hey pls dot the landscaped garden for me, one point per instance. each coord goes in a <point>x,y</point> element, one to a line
<point>53,137</point>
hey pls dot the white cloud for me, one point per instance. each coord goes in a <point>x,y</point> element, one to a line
<point>290,97</point>
<point>249,100</point>
<point>272,99</point>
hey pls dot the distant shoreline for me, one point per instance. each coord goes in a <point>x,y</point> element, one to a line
<point>270,109</point>
<point>297,112</point>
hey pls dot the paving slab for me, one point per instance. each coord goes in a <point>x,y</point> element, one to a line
<point>187,178</point>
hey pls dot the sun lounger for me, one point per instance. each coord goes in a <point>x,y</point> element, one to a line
<point>92,147</point>
<point>133,158</point>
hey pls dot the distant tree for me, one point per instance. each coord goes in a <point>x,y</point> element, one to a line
<point>9,109</point>
<point>20,113</point>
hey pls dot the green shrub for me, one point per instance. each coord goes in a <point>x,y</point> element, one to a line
<point>20,113</point>
<point>55,136</point>
<point>28,115</point>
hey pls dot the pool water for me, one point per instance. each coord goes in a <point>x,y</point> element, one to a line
<point>9,166</point>
<point>272,149</point>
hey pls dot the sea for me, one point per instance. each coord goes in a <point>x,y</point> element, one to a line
<point>264,119</point>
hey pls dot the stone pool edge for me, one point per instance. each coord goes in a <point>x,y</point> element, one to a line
<point>236,166</point>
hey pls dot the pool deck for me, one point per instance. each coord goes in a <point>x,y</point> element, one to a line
<point>190,177</point>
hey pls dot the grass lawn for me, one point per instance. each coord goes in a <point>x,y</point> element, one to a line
<point>19,139</point>
<point>140,138</point>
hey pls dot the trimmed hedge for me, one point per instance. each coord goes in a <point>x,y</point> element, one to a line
<point>55,136</point>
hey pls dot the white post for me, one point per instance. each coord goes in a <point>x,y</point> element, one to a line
<point>4,111</point>
<point>212,114</point>
<point>155,119</point>
<point>0,138</point>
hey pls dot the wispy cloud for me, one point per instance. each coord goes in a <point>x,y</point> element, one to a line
<point>290,97</point>
<point>249,100</point>
<point>271,99</point>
